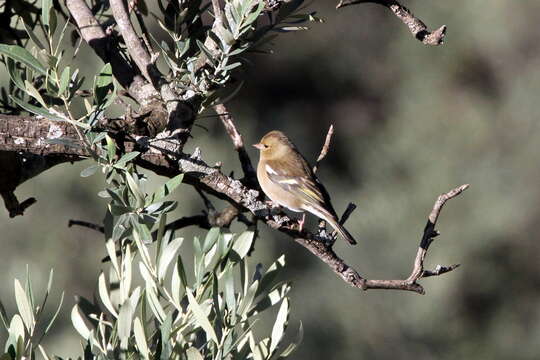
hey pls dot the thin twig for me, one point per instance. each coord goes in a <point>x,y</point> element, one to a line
<point>86,224</point>
<point>348,211</point>
<point>326,146</point>
<point>238,143</point>
<point>12,203</point>
<point>415,25</point>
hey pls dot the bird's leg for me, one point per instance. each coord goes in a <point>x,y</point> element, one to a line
<point>275,208</point>
<point>328,237</point>
<point>272,204</point>
<point>301,222</point>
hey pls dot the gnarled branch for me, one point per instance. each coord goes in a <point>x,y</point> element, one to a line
<point>416,26</point>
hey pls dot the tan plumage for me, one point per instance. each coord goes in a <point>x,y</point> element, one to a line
<point>287,179</point>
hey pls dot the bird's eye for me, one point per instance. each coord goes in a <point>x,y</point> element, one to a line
<point>266,146</point>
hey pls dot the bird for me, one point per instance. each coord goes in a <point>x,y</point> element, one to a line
<point>287,179</point>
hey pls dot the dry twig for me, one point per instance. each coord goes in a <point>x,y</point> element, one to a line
<point>326,146</point>
<point>415,25</point>
<point>238,143</point>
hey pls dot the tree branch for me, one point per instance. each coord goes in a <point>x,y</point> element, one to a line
<point>93,34</point>
<point>241,197</point>
<point>415,25</point>
<point>133,44</point>
<point>326,146</point>
<point>238,143</point>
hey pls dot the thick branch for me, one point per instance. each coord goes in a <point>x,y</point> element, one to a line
<point>102,44</point>
<point>134,45</point>
<point>415,25</point>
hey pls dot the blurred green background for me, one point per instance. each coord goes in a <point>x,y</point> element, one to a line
<point>411,121</point>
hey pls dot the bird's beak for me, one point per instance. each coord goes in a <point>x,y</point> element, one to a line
<point>259,146</point>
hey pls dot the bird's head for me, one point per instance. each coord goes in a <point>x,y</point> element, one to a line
<point>274,145</point>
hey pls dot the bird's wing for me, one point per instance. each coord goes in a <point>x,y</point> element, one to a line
<point>300,181</point>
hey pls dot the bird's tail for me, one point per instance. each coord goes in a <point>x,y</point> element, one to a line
<point>333,221</point>
<point>342,231</point>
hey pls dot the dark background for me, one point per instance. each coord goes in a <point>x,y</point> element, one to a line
<point>411,121</point>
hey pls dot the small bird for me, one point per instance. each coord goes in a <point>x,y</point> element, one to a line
<point>287,179</point>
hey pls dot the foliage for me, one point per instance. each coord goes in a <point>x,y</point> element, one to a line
<point>206,311</point>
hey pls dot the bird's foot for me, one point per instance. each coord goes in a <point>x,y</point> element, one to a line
<point>272,204</point>
<point>328,237</point>
<point>275,208</point>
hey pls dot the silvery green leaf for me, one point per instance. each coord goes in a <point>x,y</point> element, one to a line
<point>273,271</point>
<point>33,92</point>
<point>294,345</point>
<point>140,338</point>
<point>261,350</point>
<point>40,111</point>
<point>104,295</point>
<point>99,137</point>
<point>14,74</point>
<point>255,14</point>
<point>127,158</point>
<point>176,284</point>
<point>141,235</point>
<point>64,80</point>
<point>247,300</point>
<point>243,243</point>
<point>111,251</point>
<point>241,339</point>
<point>89,171</point>
<point>32,35</point>
<point>135,190</point>
<point>232,66</point>
<point>124,324</point>
<point>22,55</point>
<point>201,318</point>
<point>270,299</point>
<point>193,354</point>
<point>230,295</point>
<point>46,6</point>
<point>16,326</point>
<point>125,283</point>
<point>155,306</point>
<point>278,330</point>
<point>3,316</point>
<point>210,239</point>
<point>79,323</point>
<point>111,148</point>
<point>207,52</point>
<point>169,253</point>
<point>51,322</point>
<point>24,307</point>
<point>103,83</point>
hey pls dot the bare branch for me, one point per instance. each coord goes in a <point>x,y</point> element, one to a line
<point>348,211</point>
<point>12,204</point>
<point>238,143</point>
<point>325,147</point>
<point>415,25</point>
<point>86,224</point>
